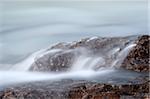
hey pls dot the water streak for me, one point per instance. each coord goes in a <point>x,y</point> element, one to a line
<point>80,63</point>
<point>82,68</point>
<point>122,55</point>
<point>14,77</point>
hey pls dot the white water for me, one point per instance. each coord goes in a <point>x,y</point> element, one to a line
<point>82,68</point>
<point>80,63</point>
<point>122,55</point>
<point>13,77</point>
<point>94,62</point>
<point>86,63</point>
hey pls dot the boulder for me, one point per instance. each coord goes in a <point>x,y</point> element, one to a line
<point>60,61</point>
<point>106,48</point>
<point>138,58</point>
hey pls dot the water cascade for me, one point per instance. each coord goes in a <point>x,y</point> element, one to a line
<point>84,66</point>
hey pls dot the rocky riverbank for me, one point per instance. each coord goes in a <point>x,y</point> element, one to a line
<point>137,60</point>
<point>69,89</point>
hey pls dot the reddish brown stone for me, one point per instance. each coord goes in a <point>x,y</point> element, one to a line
<point>138,58</point>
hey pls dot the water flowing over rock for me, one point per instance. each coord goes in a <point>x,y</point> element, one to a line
<point>138,58</point>
<point>92,68</point>
<point>107,51</point>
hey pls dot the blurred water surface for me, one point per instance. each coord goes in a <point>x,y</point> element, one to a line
<point>27,26</point>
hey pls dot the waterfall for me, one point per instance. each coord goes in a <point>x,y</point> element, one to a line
<point>122,55</point>
<point>80,63</point>
<point>95,61</point>
<point>85,62</point>
<point>85,65</point>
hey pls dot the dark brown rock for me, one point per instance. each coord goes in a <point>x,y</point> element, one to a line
<point>110,91</point>
<point>99,47</point>
<point>69,89</point>
<point>138,58</point>
<point>59,61</point>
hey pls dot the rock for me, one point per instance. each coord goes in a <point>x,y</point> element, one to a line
<point>75,89</point>
<point>138,58</point>
<point>60,61</point>
<point>105,48</point>
<point>110,91</point>
<point>108,49</point>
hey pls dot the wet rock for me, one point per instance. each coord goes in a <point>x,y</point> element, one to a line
<point>110,91</point>
<point>75,89</point>
<point>105,48</point>
<point>60,61</point>
<point>60,46</point>
<point>138,58</point>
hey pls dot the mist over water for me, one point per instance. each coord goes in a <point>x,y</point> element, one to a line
<point>29,26</point>
<point>83,67</point>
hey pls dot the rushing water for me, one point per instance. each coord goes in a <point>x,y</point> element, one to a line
<point>28,26</point>
<point>82,68</point>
